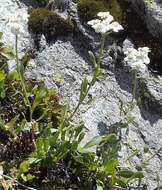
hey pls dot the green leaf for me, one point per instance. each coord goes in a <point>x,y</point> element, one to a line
<point>81,137</point>
<point>122,183</point>
<point>7,53</point>
<point>92,58</point>
<point>130,174</point>
<point>158,188</point>
<point>83,90</point>
<point>94,142</point>
<point>24,166</point>
<point>14,75</point>
<point>146,149</point>
<point>110,137</point>
<point>53,138</point>
<point>29,177</point>
<point>1,35</point>
<point>110,166</point>
<point>98,72</point>
<point>2,75</point>
<point>40,95</point>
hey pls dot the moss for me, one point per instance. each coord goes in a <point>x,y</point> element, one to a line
<point>88,9</point>
<point>44,21</point>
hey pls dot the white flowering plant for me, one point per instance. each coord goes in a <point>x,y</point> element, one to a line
<point>137,60</point>
<point>18,22</point>
<point>56,140</point>
<point>105,23</point>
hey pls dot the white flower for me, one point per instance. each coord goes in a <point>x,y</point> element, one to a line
<point>18,22</point>
<point>105,15</point>
<point>93,22</point>
<point>137,59</point>
<point>100,28</point>
<point>105,23</point>
<point>116,27</point>
<point>16,28</point>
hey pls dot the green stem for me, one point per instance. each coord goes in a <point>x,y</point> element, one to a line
<point>99,61</point>
<point>134,84</point>
<point>22,77</point>
<point>80,102</point>
<point>101,49</point>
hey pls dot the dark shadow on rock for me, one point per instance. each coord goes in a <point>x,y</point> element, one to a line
<point>124,79</point>
<point>148,115</point>
<point>79,49</point>
<point>30,3</point>
<point>102,128</point>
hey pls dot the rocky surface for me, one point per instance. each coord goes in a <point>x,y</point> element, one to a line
<point>68,60</point>
<point>7,8</point>
<point>151,12</point>
<point>64,64</point>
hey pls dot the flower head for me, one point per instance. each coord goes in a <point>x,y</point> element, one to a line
<point>18,22</point>
<point>105,23</point>
<point>115,26</point>
<point>93,22</point>
<point>137,59</point>
<point>105,15</point>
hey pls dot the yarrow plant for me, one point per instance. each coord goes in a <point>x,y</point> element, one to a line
<point>57,140</point>
<point>105,23</point>
<point>137,59</point>
<point>18,22</point>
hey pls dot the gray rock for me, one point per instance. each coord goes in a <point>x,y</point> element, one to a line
<point>151,89</point>
<point>151,12</point>
<point>104,113</point>
<point>7,8</point>
<point>64,64</point>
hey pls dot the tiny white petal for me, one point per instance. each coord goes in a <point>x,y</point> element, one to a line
<point>137,59</point>
<point>93,22</point>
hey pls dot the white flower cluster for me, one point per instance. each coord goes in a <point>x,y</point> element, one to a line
<point>18,22</point>
<point>105,23</point>
<point>137,59</point>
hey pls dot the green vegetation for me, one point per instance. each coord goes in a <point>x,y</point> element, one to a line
<point>41,145</point>
<point>88,9</point>
<point>44,146</point>
<point>42,18</point>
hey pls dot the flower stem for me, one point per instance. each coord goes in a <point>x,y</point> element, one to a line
<point>22,78</point>
<point>101,49</point>
<point>99,61</point>
<point>134,84</point>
